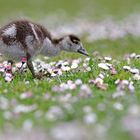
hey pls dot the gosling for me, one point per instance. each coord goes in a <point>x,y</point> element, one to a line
<point>22,38</point>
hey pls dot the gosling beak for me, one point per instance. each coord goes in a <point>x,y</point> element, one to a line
<point>82,51</point>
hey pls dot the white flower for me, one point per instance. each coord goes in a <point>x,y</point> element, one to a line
<point>90,118</point>
<point>24,108</point>
<point>54,113</point>
<point>118,106</point>
<point>27,125</point>
<point>88,68</point>
<point>4,104</point>
<point>117,94</point>
<point>108,58</point>
<point>78,82</point>
<point>74,65</point>
<point>134,71</point>
<point>103,66</point>
<point>126,68</point>
<point>136,77</point>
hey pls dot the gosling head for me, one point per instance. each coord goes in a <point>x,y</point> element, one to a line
<point>72,43</point>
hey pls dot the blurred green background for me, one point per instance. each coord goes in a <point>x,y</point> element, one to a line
<point>95,9</point>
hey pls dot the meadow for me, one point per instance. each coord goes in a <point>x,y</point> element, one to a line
<point>95,97</point>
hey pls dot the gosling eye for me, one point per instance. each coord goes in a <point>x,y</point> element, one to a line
<point>75,42</point>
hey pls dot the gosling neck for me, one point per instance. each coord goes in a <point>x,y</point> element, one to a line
<point>51,47</point>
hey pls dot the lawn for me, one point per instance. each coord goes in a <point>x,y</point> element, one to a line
<point>97,97</point>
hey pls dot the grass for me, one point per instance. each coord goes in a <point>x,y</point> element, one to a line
<point>18,86</point>
<point>114,48</point>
